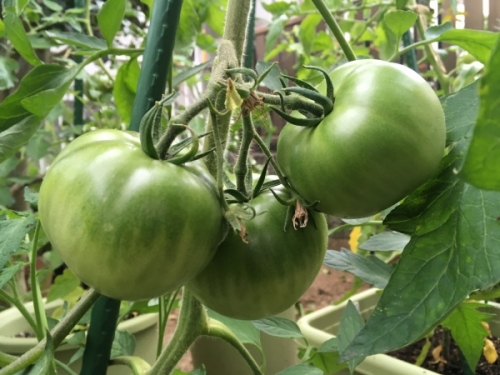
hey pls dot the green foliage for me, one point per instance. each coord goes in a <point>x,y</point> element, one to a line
<point>13,233</point>
<point>110,18</point>
<point>279,327</point>
<point>350,325</point>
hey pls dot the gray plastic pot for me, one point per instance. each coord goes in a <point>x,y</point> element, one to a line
<point>143,327</point>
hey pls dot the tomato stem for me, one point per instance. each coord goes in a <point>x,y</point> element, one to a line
<point>241,166</point>
<point>335,28</point>
<point>36,294</point>
<point>192,323</point>
<point>292,102</point>
<point>137,365</point>
<point>220,330</point>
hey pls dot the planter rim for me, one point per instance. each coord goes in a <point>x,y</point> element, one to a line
<point>18,345</point>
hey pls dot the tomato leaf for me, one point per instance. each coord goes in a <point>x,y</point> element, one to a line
<point>301,369</point>
<point>453,250</point>
<point>77,40</point>
<point>14,30</point>
<point>275,31</point>
<point>272,79</point>
<point>483,157</point>
<point>16,136</point>
<point>279,327</point>
<point>13,233</point>
<point>329,346</point>
<point>7,76</point>
<point>243,329</point>
<point>478,43</point>
<point>110,18</point>
<point>400,21</point>
<point>386,241</point>
<point>465,324</point>
<point>350,324</point>
<point>125,88</point>
<point>370,269</point>
<point>8,273</point>
<point>434,32</point>
<point>123,344</point>
<point>63,285</point>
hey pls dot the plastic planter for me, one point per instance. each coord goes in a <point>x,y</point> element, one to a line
<point>143,327</point>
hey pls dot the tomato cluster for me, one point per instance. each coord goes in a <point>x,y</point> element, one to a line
<point>133,227</point>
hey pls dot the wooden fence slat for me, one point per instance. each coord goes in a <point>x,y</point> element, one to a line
<point>474,17</point>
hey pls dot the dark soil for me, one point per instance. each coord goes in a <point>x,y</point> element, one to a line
<point>454,364</point>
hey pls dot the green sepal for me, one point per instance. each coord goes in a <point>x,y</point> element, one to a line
<point>283,83</point>
<point>243,93</point>
<point>315,96</point>
<point>188,156</point>
<point>281,200</point>
<point>264,74</point>
<point>178,147</point>
<point>270,184</point>
<point>227,181</point>
<point>307,122</point>
<point>214,110</point>
<point>245,71</point>
<point>236,194</point>
<point>262,178</point>
<point>300,82</point>
<point>328,81</point>
<point>290,211</point>
<point>203,154</point>
<point>148,122</point>
<point>282,101</point>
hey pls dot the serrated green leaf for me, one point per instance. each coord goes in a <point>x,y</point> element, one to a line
<point>126,78</point>
<point>400,21</point>
<point>12,234</point>
<point>277,7</point>
<point>123,344</point>
<point>350,324</point>
<point>478,43</point>
<point>186,74</point>
<point>52,5</point>
<point>329,346</point>
<point>80,40</point>
<point>110,18</point>
<point>17,136</point>
<point>8,273</point>
<point>454,246</point>
<point>301,369</point>
<point>279,327</point>
<point>386,241</point>
<point>7,68</point>
<point>14,30</point>
<point>307,31</point>
<point>63,285</point>
<point>243,329</point>
<point>30,196</point>
<point>465,324</point>
<point>370,269</point>
<point>483,157</point>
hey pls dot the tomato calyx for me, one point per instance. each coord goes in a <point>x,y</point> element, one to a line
<point>307,91</point>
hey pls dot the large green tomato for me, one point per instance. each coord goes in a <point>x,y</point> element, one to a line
<point>270,272</point>
<point>383,139</point>
<point>129,226</point>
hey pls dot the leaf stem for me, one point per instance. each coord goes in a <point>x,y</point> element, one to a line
<point>36,294</point>
<point>59,333</point>
<point>335,28</point>
<point>22,309</point>
<point>292,102</point>
<point>137,365</point>
<point>349,226</point>
<point>241,166</point>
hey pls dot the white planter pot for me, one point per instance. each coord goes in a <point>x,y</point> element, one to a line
<point>143,327</point>
<point>323,324</point>
<point>220,358</point>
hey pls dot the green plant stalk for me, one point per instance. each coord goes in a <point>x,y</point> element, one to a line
<point>162,323</point>
<point>425,350</point>
<point>267,152</point>
<point>354,9</point>
<point>218,329</point>
<point>442,78</point>
<point>292,102</point>
<point>5,359</point>
<point>192,323</point>
<point>65,367</point>
<point>17,303</point>
<point>157,58</point>
<point>59,333</point>
<point>36,294</point>
<point>335,28</point>
<point>219,155</point>
<point>241,166</point>
<point>137,365</point>
<point>100,336</point>
<point>235,25</point>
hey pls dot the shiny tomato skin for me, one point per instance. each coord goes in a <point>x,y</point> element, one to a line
<point>270,272</point>
<point>129,226</point>
<point>383,139</point>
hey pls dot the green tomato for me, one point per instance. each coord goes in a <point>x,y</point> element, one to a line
<point>383,139</point>
<point>129,226</point>
<point>267,274</point>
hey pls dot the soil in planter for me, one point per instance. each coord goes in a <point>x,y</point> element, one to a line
<point>454,364</point>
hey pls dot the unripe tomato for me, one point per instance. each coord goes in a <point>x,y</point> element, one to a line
<point>267,274</point>
<point>383,139</point>
<point>129,226</point>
